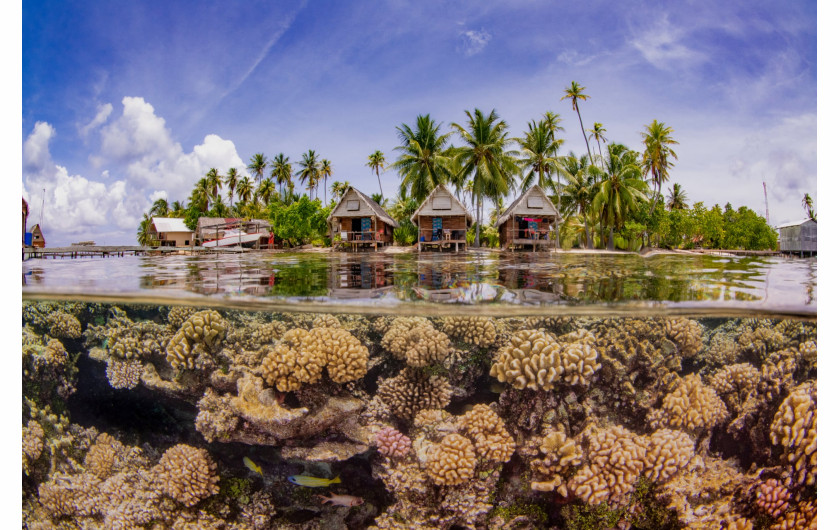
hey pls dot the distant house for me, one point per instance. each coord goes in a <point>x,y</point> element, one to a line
<point>37,237</point>
<point>442,221</point>
<point>358,220</point>
<point>528,221</point>
<point>799,237</point>
<point>25,216</point>
<point>233,231</point>
<point>170,232</point>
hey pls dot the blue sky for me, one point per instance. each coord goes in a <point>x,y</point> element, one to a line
<point>125,102</point>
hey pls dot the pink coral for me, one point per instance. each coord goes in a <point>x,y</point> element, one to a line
<point>773,497</point>
<point>392,442</point>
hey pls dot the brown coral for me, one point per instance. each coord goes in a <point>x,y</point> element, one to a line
<point>794,427</point>
<point>532,360</point>
<point>559,455</point>
<point>206,328</point>
<point>187,474</point>
<point>102,456</point>
<point>478,331</point>
<point>64,325</point>
<point>179,314</point>
<point>33,443</point>
<point>615,460</point>
<point>667,453</point>
<point>55,354</point>
<point>579,357</point>
<point>692,407</point>
<point>772,497</point>
<point>411,391</point>
<point>70,495</point>
<point>487,431</point>
<point>123,374</point>
<point>451,462</point>
<point>687,334</point>
<point>415,340</point>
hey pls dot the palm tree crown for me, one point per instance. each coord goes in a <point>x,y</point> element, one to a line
<point>376,161</point>
<point>309,171</point>
<point>257,166</point>
<point>597,131</point>
<point>281,171</point>
<point>538,151</point>
<point>325,173</point>
<point>677,199</point>
<point>422,164</point>
<point>231,181</point>
<point>656,158</point>
<point>575,93</point>
<point>622,189</point>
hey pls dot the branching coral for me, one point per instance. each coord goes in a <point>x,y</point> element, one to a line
<point>687,335</point>
<point>417,341</point>
<point>802,517</point>
<point>391,442</point>
<point>532,360</point>
<point>451,462</point>
<point>667,453</point>
<point>187,474</point>
<point>559,455</point>
<point>761,342</point>
<point>735,383</point>
<point>615,460</point>
<point>179,314</point>
<point>412,390</point>
<point>487,431</point>
<point>64,325</point>
<point>693,407</point>
<point>70,495</point>
<point>33,443</point>
<point>123,374</point>
<point>326,321</point>
<point>579,357</point>
<point>772,497</point>
<point>206,328</point>
<point>478,331</point>
<point>795,428</point>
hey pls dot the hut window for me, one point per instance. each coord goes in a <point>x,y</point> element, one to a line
<point>352,206</point>
<point>535,202</point>
<point>441,203</point>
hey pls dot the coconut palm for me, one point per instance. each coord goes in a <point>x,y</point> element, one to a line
<point>144,237</point>
<point>160,208</point>
<point>379,199</point>
<point>597,131</point>
<point>552,122</point>
<point>579,192</point>
<point>621,191</point>
<point>281,171</point>
<point>231,181</point>
<point>808,204</point>
<point>325,173</point>
<point>422,164</point>
<point>245,189</point>
<point>677,199</point>
<point>538,155</point>
<point>177,209</point>
<point>214,181</point>
<point>257,166</point>
<point>218,208</point>
<point>575,93</point>
<point>376,161</point>
<point>339,188</point>
<point>201,194</point>
<point>487,158</point>
<point>264,191</point>
<point>656,160</point>
<point>309,171</point>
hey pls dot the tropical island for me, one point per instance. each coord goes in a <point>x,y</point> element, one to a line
<point>609,197</point>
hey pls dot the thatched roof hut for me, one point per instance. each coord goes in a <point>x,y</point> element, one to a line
<point>528,220</point>
<point>442,220</point>
<point>360,221</point>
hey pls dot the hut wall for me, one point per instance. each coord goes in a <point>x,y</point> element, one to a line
<point>342,210</point>
<point>345,224</point>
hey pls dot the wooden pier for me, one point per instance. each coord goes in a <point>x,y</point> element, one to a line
<point>89,251</point>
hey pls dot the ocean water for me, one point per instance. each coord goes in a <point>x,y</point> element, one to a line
<point>483,390</point>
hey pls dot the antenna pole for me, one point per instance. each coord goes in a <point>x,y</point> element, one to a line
<point>41,218</point>
<point>766,207</point>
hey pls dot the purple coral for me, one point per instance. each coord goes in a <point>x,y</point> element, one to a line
<point>392,442</point>
<point>773,497</point>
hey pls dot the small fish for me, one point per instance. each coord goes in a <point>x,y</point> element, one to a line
<point>252,466</point>
<point>313,482</point>
<point>342,500</point>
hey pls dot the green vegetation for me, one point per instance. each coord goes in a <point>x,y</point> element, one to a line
<point>610,199</point>
<point>534,512</point>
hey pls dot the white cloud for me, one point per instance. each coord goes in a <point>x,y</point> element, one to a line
<point>661,46</point>
<point>102,113</point>
<point>472,42</point>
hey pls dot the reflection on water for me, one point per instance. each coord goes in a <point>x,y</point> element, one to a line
<point>523,279</point>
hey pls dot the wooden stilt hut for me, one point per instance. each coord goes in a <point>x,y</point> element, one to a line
<point>360,222</point>
<point>442,221</point>
<point>528,221</point>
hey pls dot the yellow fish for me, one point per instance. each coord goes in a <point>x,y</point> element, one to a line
<point>252,466</point>
<point>313,482</point>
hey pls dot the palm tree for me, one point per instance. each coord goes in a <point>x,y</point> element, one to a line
<point>264,191</point>
<point>257,166</point>
<point>379,199</point>
<point>422,164</point>
<point>552,122</point>
<point>218,209</point>
<point>281,171</point>
<point>621,191</point>
<point>376,161</point>
<point>808,204</point>
<point>339,188</point>
<point>656,159</point>
<point>177,209</point>
<point>244,189</point>
<point>677,199</point>
<point>144,238</point>
<point>214,181</point>
<point>309,171</point>
<point>575,93</point>
<point>231,181</point>
<point>160,208</point>
<point>326,172</point>
<point>201,194</point>
<point>598,131</point>
<point>579,192</point>
<point>486,157</point>
<point>538,150</point>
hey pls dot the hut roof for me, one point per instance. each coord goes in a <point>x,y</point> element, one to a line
<point>430,212</point>
<point>169,224</point>
<point>796,223</point>
<point>520,206</point>
<point>378,210</point>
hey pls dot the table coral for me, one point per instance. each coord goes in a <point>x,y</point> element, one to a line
<point>692,407</point>
<point>452,461</point>
<point>487,431</point>
<point>794,427</point>
<point>412,390</point>
<point>187,474</point>
<point>478,331</point>
<point>204,328</point>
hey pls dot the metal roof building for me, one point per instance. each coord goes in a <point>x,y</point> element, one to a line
<point>798,237</point>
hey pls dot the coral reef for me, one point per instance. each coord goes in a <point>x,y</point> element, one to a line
<point>451,462</point>
<point>412,390</point>
<point>477,331</point>
<point>772,497</point>
<point>391,442</point>
<point>415,340</point>
<point>123,374</point>
<point>692,407</point>
<point>202,329</point>
<point>487,431</point>
<point>187,474</point>
<point>795,429</point>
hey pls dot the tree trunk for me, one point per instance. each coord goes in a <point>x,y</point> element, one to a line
<point>611,244</point>
<point>380,183</point>
<point>585,139</point>
<point>477,242</point>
